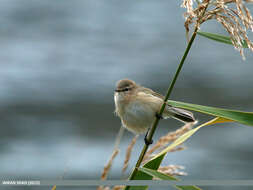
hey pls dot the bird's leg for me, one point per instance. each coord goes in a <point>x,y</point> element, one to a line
<point>159,116</point>
<point>147,142</point>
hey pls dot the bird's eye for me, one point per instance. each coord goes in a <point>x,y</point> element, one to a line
<point>123,90</point>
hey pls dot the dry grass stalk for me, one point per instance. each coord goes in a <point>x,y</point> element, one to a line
<point>100,188</point>
<point>128,153</point>
<point>172,170</point>
<point>169,137</point>
<point>236,21</point>
<point>179,148</point>
<point>118,187</point>
<point>162,142</point>
<point>107,168</point>
<point>188,4</point>
<point>109,164</point>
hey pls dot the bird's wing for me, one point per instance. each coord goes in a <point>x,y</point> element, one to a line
<point>179,114</point>
<point>170,111</point>
<point>151,92</point>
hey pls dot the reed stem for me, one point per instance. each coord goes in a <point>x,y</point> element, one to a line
<point>155,124</point>
<point>172,84</point>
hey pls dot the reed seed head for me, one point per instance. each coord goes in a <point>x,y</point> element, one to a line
<point>233,15</point>
<point>128,153</point>
<point>172,170</point>
<point>166,139</point>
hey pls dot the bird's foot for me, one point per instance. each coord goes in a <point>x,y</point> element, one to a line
<point>146,140</point>
<point>159,116</point>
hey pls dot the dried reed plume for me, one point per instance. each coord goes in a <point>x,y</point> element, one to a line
<point>161,143</point>
<point>169,137</point>
<point>128,153</point>
<point>233,15</point>
<point>116,187</point>
<point>107,168</point>
<point>172,170</point>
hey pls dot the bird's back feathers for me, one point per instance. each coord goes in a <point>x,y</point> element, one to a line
<point>177,113</point>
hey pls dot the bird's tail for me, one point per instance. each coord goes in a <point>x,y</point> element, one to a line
<point>179,114</point>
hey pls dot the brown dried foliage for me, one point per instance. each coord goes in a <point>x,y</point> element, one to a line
<point>233,15</point>
<point>166,139</point>
<point>172,170</point>
<point>107,169</point>
<point>128,153</point>
<point>161,143</point>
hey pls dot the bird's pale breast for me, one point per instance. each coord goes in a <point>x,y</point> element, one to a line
<point>139,113</point>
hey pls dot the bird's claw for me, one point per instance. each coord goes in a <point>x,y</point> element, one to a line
<point>159,116</point>
<point>147,142</point>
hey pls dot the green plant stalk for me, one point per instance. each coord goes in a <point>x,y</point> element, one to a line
<point>155,124</point>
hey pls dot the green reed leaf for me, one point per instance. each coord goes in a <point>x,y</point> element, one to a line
<point>233,115</point>
<point>140,175</point>
<point>163,176</point>
<point>187,135</point>
<point>220,38</point>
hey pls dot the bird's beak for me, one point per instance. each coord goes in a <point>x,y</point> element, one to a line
<point>116,90</point>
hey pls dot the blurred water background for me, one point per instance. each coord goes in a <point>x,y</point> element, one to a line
<point>60,62</point>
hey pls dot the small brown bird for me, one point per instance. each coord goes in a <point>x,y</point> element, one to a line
<point>138,106</point>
